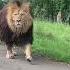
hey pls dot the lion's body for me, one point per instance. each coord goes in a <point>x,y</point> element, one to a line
<point>16,27</point>
<point>9,36</point>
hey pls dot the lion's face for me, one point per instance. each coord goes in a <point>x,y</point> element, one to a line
<point>18,20</point>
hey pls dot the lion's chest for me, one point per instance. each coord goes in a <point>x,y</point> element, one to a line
<point>20,40</point>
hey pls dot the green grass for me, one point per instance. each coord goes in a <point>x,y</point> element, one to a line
<point>52,40</point>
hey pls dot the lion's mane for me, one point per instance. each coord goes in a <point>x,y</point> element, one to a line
<point>26,17</point>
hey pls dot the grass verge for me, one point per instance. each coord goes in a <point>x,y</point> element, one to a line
<point>52,40</point>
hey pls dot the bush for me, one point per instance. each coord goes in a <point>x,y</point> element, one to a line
<point>49,8</point>
<point>1,4</point>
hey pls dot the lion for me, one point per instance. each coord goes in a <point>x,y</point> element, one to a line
<point>16,27</point>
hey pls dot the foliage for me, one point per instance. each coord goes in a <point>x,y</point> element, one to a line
<point>1,4</point>
<point>49,8</point>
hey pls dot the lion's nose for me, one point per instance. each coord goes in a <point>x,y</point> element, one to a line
<point>18,20</point>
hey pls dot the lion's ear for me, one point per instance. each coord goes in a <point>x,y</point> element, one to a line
<point>26,7</point>
<point>12,7</point>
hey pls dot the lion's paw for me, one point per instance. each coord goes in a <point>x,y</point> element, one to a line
<point>14,53</point>
<point>10,56</point>
<point>29,58</point>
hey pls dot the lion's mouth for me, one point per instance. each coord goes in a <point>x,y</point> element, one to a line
<point>17,24</point>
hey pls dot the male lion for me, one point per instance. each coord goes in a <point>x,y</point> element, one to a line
<point>16,27</point>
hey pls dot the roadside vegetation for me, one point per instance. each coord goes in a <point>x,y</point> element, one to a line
<point>52,40</point>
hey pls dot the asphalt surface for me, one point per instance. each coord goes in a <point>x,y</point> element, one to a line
<point>20,63</point>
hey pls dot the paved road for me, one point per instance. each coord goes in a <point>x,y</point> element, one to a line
<point>38,63</point>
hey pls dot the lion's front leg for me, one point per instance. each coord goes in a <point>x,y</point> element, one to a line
<point>9,53</point>
<point>28,52</point>
<point>14,52</point>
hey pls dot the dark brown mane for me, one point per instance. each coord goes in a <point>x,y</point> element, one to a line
<point>18,3</point>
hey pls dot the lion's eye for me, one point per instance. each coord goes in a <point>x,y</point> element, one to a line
<point>22,14</point>
<point>15,14</point>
